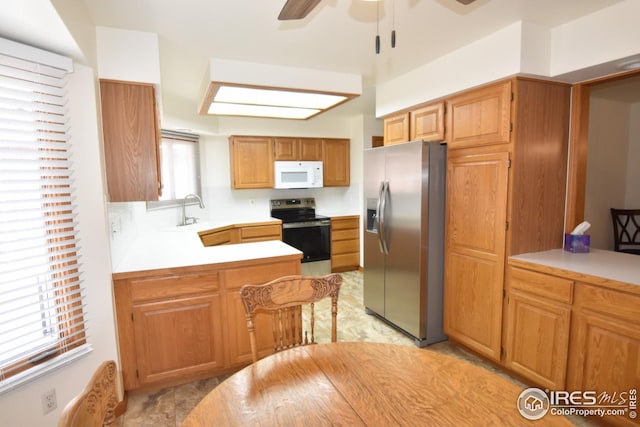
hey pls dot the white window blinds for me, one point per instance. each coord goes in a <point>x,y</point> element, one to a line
<point>41,304</point>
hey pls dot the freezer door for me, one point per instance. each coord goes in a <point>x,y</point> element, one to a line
<point>405,285</point>
<point>374,259</point>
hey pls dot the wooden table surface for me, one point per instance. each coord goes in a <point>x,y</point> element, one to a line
<point>363,384</point>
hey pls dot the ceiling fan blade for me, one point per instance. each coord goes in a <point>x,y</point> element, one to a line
<point>297,9</point>
<point>466,1</point>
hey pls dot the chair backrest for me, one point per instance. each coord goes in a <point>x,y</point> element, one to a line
<point>626,230</point>
<point>96,405</point>
<point>284,298</point>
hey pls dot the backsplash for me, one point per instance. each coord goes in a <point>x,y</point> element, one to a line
<point>128,220</point>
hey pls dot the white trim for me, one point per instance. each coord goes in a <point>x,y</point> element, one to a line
<point>39,56</point>
<point>44,368</point>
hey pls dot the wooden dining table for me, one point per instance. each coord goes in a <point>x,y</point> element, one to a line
<point>363,384</point>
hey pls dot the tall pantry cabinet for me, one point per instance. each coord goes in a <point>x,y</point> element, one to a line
<point>506,173</point>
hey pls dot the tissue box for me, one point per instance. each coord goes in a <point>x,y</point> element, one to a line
<point>576,243</point>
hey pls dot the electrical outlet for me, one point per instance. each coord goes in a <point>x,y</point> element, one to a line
<point>49,402</point>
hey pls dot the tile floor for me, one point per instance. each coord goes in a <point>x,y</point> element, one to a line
<point>169,406</point>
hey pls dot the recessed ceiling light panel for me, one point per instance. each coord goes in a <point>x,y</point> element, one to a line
<point>263,90</point>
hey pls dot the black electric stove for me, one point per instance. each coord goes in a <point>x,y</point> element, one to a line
<point>306,231</point>
<point>297,210</point>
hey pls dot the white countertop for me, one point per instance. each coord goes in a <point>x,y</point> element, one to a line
<point>599,263</point>
<point>181,247</point>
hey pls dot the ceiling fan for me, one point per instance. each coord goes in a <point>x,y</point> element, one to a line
<point>298,9</point>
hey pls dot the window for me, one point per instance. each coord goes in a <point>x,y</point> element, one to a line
<point>41,303</point>
<point>180,168</point>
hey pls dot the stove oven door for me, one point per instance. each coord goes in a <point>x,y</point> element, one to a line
<point>313,238</point>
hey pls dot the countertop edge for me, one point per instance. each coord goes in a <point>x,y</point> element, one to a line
<point>537,262</point>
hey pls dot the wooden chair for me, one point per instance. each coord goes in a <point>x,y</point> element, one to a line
<point>284,298</point>
<point>626,230</point>
<point>96,405</point>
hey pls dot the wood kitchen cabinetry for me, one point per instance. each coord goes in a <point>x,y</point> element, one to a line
<point>505,196</point>
<point>131,141</point>
<point>425,122</point>
<point>345,243</point>
<point>336,162</point>
<point>537,327</point>
<point>292,149</point>
<point>242,233</point>
<point>180,324</point>
<point>604,352</point>
<point>252,159</point>
<point>481,117</point>
<point>396,128</point>
<point>571,331</point>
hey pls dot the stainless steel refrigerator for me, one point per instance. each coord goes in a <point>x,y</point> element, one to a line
<point>404,190</point>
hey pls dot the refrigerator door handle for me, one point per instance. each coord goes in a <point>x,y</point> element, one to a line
<point>382,233</point>
<point>380,226</point>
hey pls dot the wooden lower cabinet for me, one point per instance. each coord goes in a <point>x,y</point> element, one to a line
<point>605,346</point>
<point>565,334</point>
<point>242,233</point>
<point>537,327</point>
<point>181,324</point>
<point>345,243</point>
<point>165,351</point>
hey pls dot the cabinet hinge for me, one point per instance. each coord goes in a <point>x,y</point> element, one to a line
<point>132,317</point>
<point>502,352</point>
<point>511,127</point>
<point>137,374</point>
<point>506,225</point>
<point>504,293</point>
<point>512,96</point>
<point>509,163</point>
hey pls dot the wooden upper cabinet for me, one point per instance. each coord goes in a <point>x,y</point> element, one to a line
<point>251,161</point>
<point>310,149</point>
<point>427,123</point>
<point>293,149</point>
<point>131,141</point>
<point>336,162</point>
<point>286,149</point>
<point>396,129</point>
<point>480,117</point>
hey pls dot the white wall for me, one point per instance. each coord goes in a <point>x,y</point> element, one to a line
<point>520,48</point>
<point>128,55</point>
<point>599,37</point>
<point>632,196</point>
<point>611,166</point>
<point>22,407</point>
<point>224,203</point>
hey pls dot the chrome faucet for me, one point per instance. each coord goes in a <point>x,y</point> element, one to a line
<point>188,220</point>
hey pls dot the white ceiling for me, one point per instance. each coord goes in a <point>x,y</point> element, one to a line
<point>338,35</point>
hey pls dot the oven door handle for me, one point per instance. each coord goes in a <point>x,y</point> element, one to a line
<point>320,223</point>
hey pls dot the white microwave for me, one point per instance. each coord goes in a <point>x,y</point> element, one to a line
<point>293,174</point>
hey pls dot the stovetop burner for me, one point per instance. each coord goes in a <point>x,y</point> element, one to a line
<point>295,210</point>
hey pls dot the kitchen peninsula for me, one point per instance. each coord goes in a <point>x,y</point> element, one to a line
<point>178,307</point>
<point>572,322</point>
